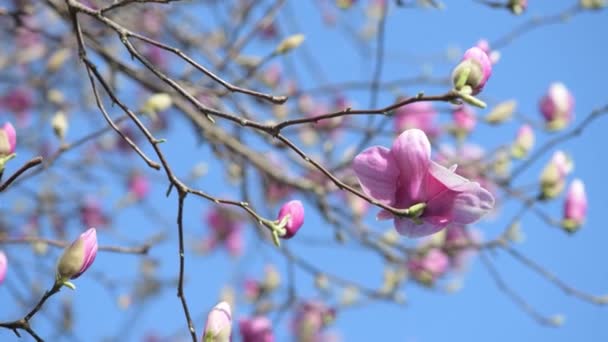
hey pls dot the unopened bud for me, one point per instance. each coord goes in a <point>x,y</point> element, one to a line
<point>290,43</point>
<point>60,125</point>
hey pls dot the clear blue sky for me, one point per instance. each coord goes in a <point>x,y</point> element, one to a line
<point>574,53</point>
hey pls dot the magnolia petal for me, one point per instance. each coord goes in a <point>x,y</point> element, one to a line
<point>384,215</point>
<point>471,203</point>
<point>411,229</point>
<point>411,151</point>
<point>377,173</point>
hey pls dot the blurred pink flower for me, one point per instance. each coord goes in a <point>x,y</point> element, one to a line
<point>226,228</point>
<point>464,119</point>
<point>575,206</point>
<point>557,106</point>
<point>405,176</point>
<point>91,214</point>
<point>3,266</point>
<point>256,329</point>
<point>138,186</point>
<point>310,318</point>
<point>429,266</point>
<point>419,115</point>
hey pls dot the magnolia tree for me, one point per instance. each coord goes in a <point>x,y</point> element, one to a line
<point>293,170</point>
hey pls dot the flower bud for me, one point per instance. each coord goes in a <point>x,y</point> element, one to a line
<point>60,125</point>
<point>575,206</point>
<point>219,324</point>
<point>557,107</point>
<point>77,258</point>
<point>553,177</point>
<point>593,4</point>
<point>290,43</point>
<point>157,103</point>
<point>293,213</point>
<point>138,186</point>
<point>517,7</point>
<point>501,112</point>
<point>256,329</point>
<point>3,266</point>
<point>523,142</point>
<point>473,71</point>
<point>426,268</point>
<point>8,139</point>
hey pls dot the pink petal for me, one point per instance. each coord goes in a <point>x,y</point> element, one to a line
<point>471,203</point>
<point>377,173</point>
<point>409,228</point>
<point>411,151</point>
<point>11,135</point>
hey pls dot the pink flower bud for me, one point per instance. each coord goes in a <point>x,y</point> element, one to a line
<point>428,267</point>
<point>219,324</point>
<point>557,106</point>
<point>78,257</point>
<point>256,329</point>
<point>464,119</point>
<point>295,210</point>
<point>3,266</point>
<point>8,139</point>
<point>575,206</point>
<point>524,141</point>
<point>475,69</point>
<point>553,176</point>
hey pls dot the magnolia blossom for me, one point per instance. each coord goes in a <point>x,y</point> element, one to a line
<point>256,329</point>
<point>8,139</point>
<point>3,266</point>
<point>138,186</point>
<point>575,206</point>
<point>473,71</point>
<point>524,141</point>
<point>219,324</point>
<point>293,213</point>
<point>464,119</point>
<point>310,318</point>
<point>78,257</point>
<point>404,177</point>
<point>553,177</point>
<point>557,106</point>
<point>429,266</point>
<point>419,115</point>
<point>457,241</point>
<point>226,228</point>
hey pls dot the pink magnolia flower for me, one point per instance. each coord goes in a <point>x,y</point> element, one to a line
<point>293,212</point>
<point>256,329</point>
<point>226,228</point>
<point>404,176</point>
<point>575,206</point>
<point>310,318</point>
<point>557,106</point>
<point>475,69</point>
<point>429,266</point>
<point>78,257</point>
<point>219,324</point>
<point>138,186</point>
<point>3,266</point>
<point>252,289</point>
<point>464,119</point>
<point>8,139</point>
<point>419,115</point>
